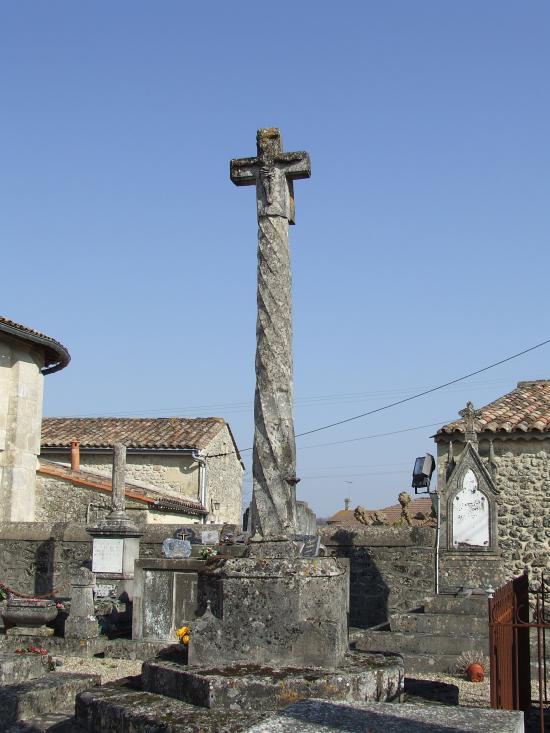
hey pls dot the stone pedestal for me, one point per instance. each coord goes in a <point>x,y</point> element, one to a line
<point>115,550</point>
<point>82,622</point>
<point>268,610</point>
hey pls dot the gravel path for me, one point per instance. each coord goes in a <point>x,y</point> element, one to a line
<point>108,669</point>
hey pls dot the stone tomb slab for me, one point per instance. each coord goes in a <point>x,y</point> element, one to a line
<point>242,687</point>
<point>312,716</point>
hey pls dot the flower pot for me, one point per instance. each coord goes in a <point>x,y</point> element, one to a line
<point>475,672</point>
<point>29,616</point>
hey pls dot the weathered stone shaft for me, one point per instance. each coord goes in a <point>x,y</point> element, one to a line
<point>274,458</point>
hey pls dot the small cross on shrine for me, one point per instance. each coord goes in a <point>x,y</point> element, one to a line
<point>469,415</point>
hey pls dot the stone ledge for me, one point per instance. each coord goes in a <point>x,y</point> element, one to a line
<point>311,716</point>
<point>245,686</point>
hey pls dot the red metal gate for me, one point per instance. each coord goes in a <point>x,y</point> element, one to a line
<point>514,610</point>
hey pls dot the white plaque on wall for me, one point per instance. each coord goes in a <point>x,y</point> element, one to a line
<point>470,514</point>
<point>107,555</point>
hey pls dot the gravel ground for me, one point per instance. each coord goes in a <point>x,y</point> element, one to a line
<point>109,669</point>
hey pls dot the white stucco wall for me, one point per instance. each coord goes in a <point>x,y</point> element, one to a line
<point>21,394</point>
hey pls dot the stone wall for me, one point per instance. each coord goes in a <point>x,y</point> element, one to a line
<point>39,557</point>
<point>391,568</point>
<point>21,390</point>
<point>175,472</point>
<point>224,480</point>
<point>521,475</point>
<point>58,498</point>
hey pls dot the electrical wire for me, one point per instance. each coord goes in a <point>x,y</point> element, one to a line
<point>405,399</point>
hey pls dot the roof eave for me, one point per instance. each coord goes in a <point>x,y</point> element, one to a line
<point>50,346</point>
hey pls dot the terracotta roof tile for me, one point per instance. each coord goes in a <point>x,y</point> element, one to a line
<point>526,409</point>
<point>157,432</point>
<point>56,355</point>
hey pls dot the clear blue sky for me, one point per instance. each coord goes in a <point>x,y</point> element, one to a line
<point>421,246</point>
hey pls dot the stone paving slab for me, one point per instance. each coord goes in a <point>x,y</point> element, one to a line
<point>320,716</point>
<point>53,693</point>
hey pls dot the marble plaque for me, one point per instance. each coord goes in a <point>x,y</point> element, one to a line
<point>470,514</point>
<point>107,555</point>
<point>104,591</point>
<point>210,537</point>
<point>309,544</point>
<point>174,549</point>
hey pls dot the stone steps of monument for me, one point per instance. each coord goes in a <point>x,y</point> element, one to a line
<point>397,642</point>
<point>440,623</point>
<point>474,605</point>
<point>115,709</point>
<point>55,692</point>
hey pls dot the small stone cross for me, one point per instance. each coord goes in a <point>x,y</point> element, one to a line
<point>469,415</point>
<point>273,173</point>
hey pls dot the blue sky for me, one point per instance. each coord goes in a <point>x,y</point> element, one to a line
<point>421,246</point>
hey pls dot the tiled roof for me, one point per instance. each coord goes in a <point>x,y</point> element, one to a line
<point>153,499</point>
<point>524,409</point>
<point>392,513</point>
<point>56,355</point>
<point>156,432</point>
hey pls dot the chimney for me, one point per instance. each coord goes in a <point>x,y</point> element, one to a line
<point>75,455</point>
<point>346,504</point>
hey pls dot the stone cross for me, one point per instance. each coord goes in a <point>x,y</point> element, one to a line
<point>118,503</point>
<point>469,415</point>
<point>273,515</point>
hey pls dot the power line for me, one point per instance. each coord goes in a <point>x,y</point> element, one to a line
<point>406,399</point>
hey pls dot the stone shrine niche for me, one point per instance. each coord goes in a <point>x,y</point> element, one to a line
<point>470,514</point>
<point>471,505</point>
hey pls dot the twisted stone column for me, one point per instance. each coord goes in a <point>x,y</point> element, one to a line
<point>273,511</point>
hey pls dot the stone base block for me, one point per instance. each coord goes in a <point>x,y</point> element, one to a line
<point>30,631</point>
<point>55,645</point>
<point>16,668</point>
<point>312,716</point>
<point>244,687</point>
<point>282,611</point>
<point>81,628</point>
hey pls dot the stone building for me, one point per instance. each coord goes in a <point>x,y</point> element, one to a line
<point>26,356</point>
<point>494,483</point>
<point>189,467</point>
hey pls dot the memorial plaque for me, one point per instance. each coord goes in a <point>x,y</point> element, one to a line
<point>210,537</point>
<point>175,549</point>
<point>107,555</point>
<point>309,544</point>
<point>104,591</point>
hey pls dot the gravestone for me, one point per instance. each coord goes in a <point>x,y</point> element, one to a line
<point>82,622</point>
<point>116,537</point>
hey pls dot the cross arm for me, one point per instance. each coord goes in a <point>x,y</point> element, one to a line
<point>244,171</point>
<point>296,165</point>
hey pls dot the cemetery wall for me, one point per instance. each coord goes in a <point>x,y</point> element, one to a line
<point>521,474</point>
<point>40,557</point>
<point>391,568</point>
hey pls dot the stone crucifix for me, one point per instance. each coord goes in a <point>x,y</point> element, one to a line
<point>273,513</point>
